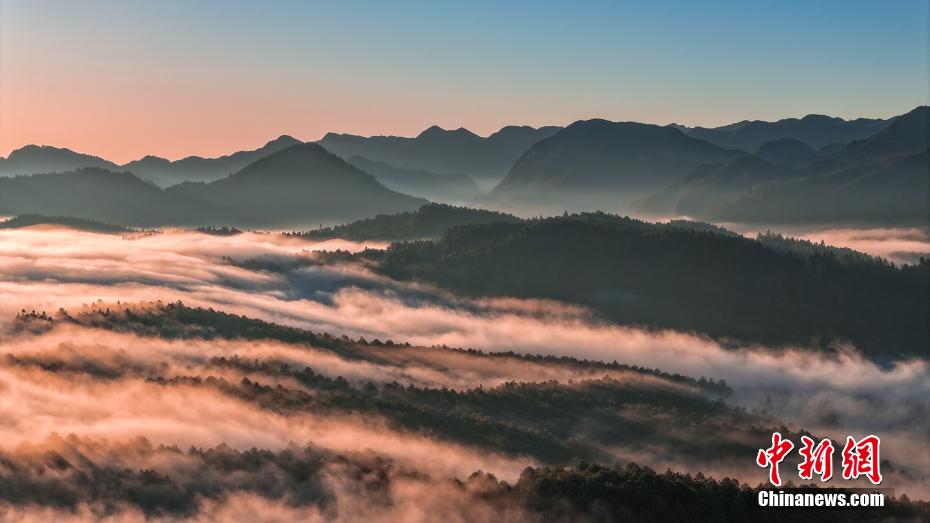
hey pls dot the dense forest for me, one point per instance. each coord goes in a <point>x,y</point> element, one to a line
<point>602,404</point>
<point>429,221</point>
<point>74,473</point>
<point>28,220</point>
<point>669,276</point>
<point>568,426</point>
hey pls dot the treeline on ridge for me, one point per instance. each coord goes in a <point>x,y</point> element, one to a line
<point>667,276</point>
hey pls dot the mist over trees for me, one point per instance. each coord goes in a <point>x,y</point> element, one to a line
<point>349,384</point>
<point>666,276</point>
<point>566,425</point>
<point>71,476</point>
<point>870,172</point>
<point>429,221</point>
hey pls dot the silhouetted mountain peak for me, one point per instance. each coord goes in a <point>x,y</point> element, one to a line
<point>822,118</point>
<point>32,159</point>
<point>907,133</point>
<point>517,132</point>
<point>303,157</point>
<point>32,149</point>
<point>149,160</point>
<point>815,130</point>
<point>296,184</point>
<point>507,129</point>
<point>435,131</point>
<point>284,140</point>
<point>607,163</point>
<point>625,133</point>
<point>919,112</point>
<point>439,150</point>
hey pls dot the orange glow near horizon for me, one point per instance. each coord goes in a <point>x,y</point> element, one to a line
<point>125,123</point>
<point>173,124</point>
<point>122,80</point>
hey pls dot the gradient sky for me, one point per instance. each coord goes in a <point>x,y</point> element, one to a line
<point>122,79</point>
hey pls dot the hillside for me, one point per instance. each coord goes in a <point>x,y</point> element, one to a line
<point>164,172</point>
<point>888,191</point>
<point>429,221</point>
<point>33,159</point>
<point>29,220</point>
<point>101,195</point>
<point>814,130</point>
<point>881,179</point>
<point>299,185</point>
<point>908,133</point>
<point>451,188</point>
<point>670,277</point>
<point>710,186</point>
<point>785,151</point>
<point>598,164</point>
<point>485,160</point>
<point>570,425</point>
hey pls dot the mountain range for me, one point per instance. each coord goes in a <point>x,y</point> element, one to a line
<point>453,187</point>
<point>164,172</point>
<point>485,160</point>
<point>37,159</point>
<point>590,164</point>
<point>685,277</point>
<point>299,185</point>
<point>879,179</point>
<point>42,159</point>
<point>814,130</point>
<point>295,185</point>
<point>597,164</point>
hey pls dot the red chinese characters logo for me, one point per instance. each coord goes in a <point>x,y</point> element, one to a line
<point>859,458</point>
<point>817,459</point>
<point>774,455</point>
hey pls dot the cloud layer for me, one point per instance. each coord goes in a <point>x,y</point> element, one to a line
<point>831,395</point>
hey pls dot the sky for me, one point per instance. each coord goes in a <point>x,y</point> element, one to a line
<point>123,79</point>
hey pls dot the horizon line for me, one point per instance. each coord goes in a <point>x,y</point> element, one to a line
<point>242,148</point>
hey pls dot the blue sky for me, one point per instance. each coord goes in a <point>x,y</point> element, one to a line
<point>177,78</point>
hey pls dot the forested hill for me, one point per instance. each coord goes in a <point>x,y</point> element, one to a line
<point>668,276</point>
<point>29,220</point>
<point>429,221</point>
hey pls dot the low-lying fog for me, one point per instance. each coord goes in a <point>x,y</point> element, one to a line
<point>49,268</point>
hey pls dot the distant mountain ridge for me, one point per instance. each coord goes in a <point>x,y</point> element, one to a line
<point>879,179</point>
<point>598,162</point>
<point>485,160</point>
<point>591,164</point>
<point>164,172</point>
<point>31,220</point>
<point>430,221</point>
<point>293,184</point>
<point>34,159</point>
<point>301,185</point>
<point>786,151</point>
<point>814,130</point>
<point>453,187</point>
<point>770,290</point>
